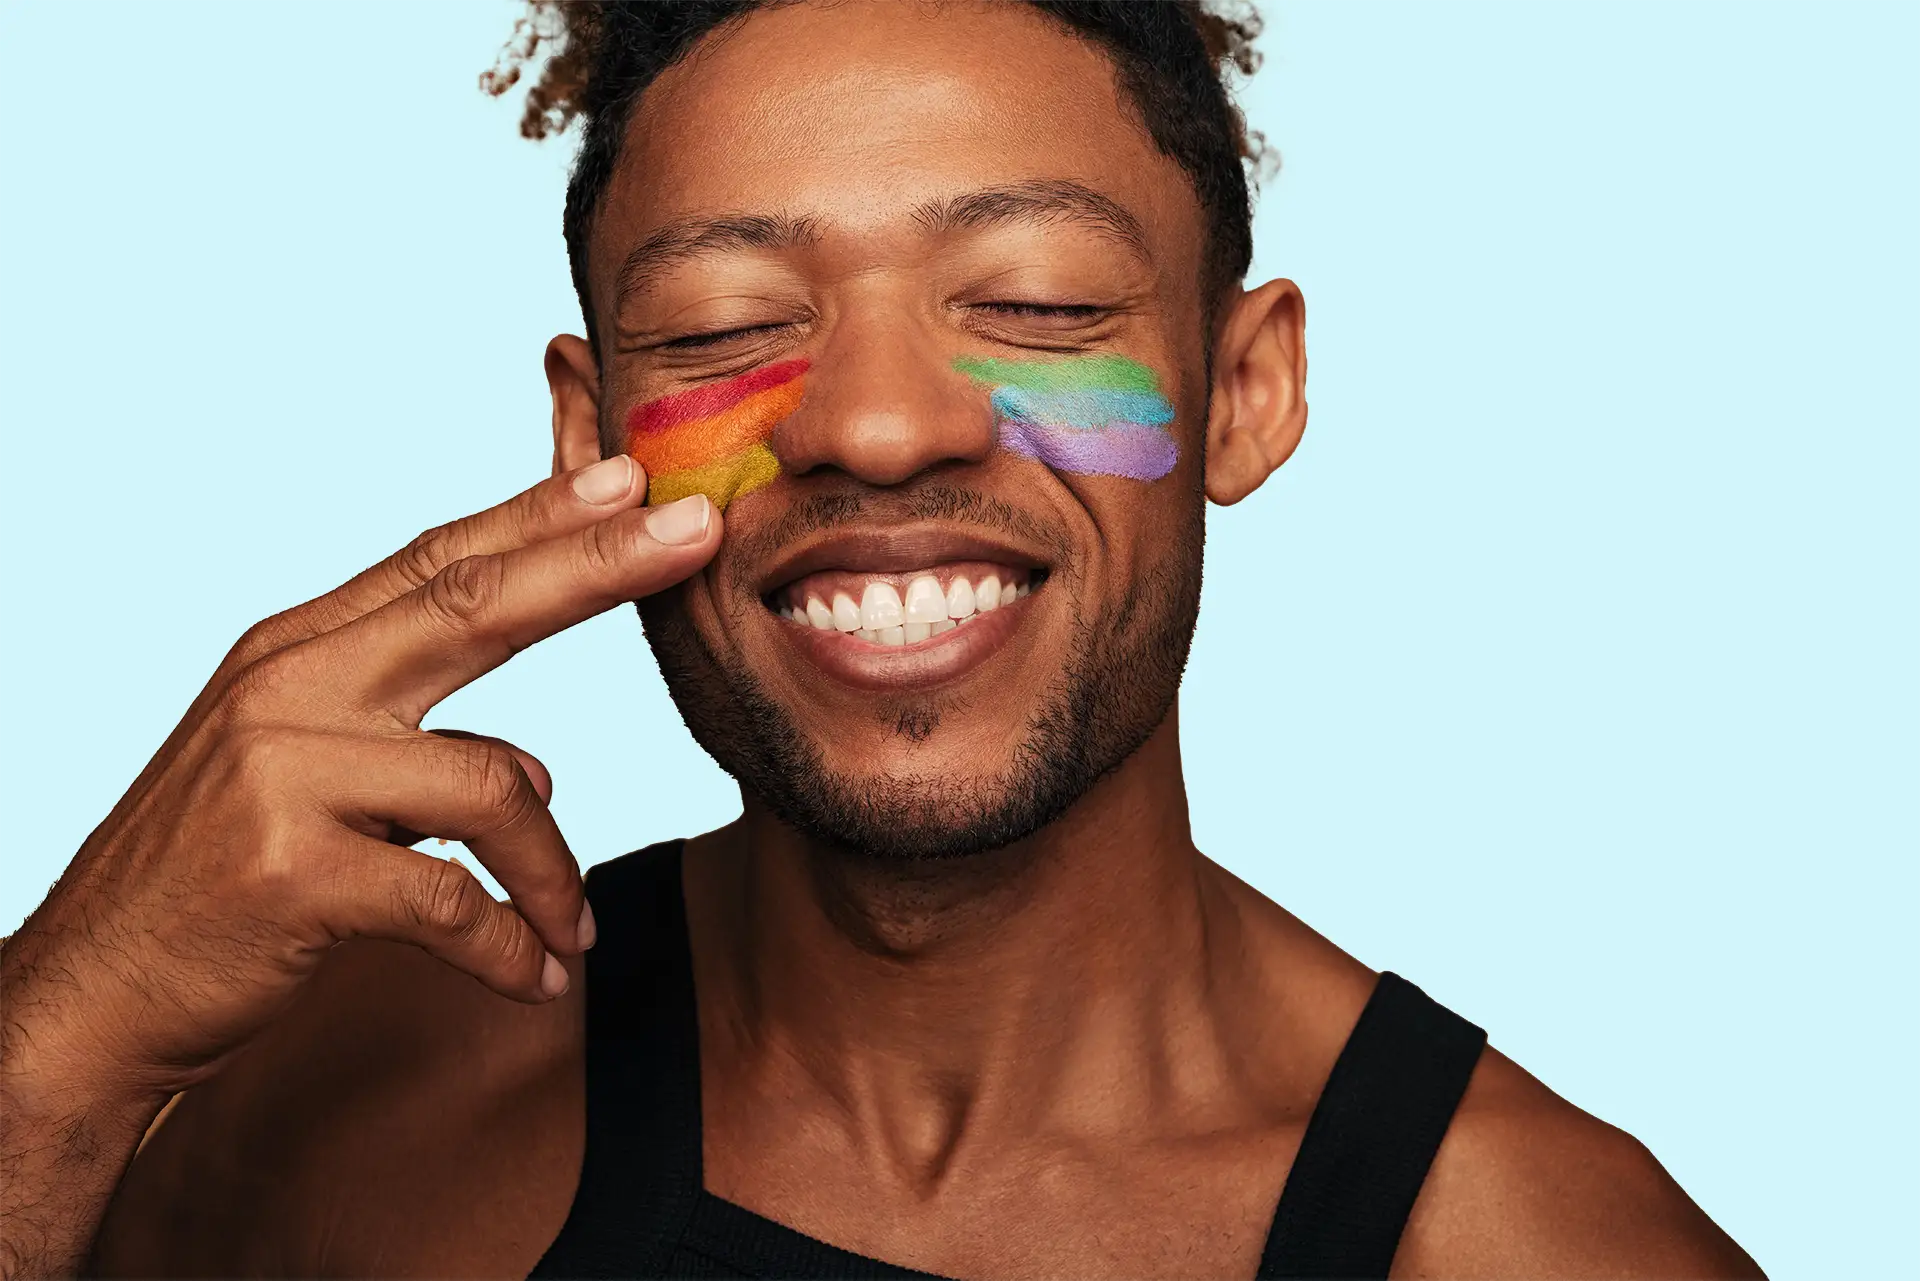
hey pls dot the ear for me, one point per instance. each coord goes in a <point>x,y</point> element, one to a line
<point>1259,405</point>
<point>574,378</point>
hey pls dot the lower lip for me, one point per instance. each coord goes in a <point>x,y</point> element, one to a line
<point>933,661</point>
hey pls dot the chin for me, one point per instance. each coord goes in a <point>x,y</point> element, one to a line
<point>943,743</point>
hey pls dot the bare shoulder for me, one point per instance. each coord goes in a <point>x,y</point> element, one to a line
<point>1527,1185</point>
<point>397,1120</point>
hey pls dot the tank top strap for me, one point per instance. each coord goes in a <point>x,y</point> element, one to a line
<point>1372,1136</point>
<point>640,1176</point>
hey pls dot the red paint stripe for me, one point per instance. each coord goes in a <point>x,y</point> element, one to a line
<point>704,402</point>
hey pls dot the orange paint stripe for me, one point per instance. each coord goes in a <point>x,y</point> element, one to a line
<point>696,443</point>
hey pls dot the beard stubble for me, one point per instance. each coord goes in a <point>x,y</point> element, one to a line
<point>1115,686</point>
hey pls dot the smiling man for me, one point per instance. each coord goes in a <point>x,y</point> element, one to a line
<point>941,305</point>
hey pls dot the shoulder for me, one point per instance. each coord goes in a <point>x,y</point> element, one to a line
<point>386,1101</point>
<point>1527,1185</point>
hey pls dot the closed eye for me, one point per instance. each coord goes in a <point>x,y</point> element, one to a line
<point>1074,311</point>
<point>691,342</point>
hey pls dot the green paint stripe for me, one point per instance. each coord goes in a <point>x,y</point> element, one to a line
<point>1078,373</point>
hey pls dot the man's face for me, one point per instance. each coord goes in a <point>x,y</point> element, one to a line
<point>954,219</point>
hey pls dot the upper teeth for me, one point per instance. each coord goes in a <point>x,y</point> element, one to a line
<point>926,603</point>
<point>881,616</point>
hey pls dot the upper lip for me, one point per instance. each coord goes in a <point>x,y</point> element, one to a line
<point>895,549</point>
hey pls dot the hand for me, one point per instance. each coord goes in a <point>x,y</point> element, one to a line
<point>270,825</point>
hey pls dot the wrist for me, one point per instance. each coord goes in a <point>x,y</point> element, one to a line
<point>52,1069</point>
<point>63,1151</point>
<point>68,1130</point>
<point>47,1092</point>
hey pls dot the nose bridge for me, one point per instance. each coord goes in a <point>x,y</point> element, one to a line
<point>882,404</point>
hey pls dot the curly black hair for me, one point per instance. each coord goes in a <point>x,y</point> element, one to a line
<point>1173,57</point>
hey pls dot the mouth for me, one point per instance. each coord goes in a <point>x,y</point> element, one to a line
<point>902,609</point>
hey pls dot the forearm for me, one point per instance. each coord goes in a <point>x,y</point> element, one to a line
<point>191,916</point>
<point>65,1141</point>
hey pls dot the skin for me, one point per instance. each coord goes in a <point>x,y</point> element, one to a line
<point>1090,1053</point>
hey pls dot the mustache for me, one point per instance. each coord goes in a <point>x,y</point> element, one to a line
<point>860,505</point>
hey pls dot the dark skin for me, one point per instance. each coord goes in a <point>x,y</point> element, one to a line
<point>1089,1053</point>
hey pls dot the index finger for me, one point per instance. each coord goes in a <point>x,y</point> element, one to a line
<point>477,613</point>
<point>557,506</point>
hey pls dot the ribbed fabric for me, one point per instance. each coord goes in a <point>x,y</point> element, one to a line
<point>1381,1115</point>
<point>640,1174</point>
<point>641,1209</point>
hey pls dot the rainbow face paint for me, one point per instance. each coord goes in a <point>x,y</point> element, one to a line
<point>1095,415</point>
<point>712,440</point>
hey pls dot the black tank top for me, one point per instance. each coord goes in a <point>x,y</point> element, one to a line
<point>642,1209</point>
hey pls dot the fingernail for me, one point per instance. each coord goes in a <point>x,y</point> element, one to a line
<point>682,521</point>
<point>588,930</point>
<point>553,976</point>
<point>607,481</point>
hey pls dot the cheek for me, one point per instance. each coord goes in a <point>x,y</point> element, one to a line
<point>1124,449</point>
<point>1087,415</point>
<point>713,440</point>
<point>722,480</point>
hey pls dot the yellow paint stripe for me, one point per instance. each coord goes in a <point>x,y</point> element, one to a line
<point>722,481</point>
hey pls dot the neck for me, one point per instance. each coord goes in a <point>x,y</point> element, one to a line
<point>986,987</point>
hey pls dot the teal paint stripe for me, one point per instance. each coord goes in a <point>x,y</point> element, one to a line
<point>1072,373</point>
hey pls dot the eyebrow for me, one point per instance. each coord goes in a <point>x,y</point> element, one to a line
<point>1041,200</point>
<point>693,237</point>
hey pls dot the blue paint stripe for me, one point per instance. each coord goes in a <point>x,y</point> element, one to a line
<point>1083,408</point>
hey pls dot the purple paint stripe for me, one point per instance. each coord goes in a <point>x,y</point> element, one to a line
<point>1133,450</point>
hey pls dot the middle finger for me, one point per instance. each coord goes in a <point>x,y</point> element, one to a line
<point>477,613</point>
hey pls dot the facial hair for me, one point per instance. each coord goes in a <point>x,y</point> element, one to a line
<point>1120,675</point>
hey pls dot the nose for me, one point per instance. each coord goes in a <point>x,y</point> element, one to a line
<point>882,405</point>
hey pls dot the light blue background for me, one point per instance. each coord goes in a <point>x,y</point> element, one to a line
<point>1568,669</point>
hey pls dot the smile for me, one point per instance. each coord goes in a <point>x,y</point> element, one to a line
<point>900,609</point>
<point>903,609</point>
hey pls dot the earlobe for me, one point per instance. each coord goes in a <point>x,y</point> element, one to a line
<point>1259,407</point>
<point>573,376</point>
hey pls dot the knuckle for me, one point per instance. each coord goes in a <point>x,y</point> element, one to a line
<point>451,899</point>
<point>260,682</point>
<point>516,943</point>
<point>268,636</point>
<point>495,781</point>
<point>606,546</point>
<point>262,749</point>
<point>430,552</point>
<point>263,758</point>
<point>465,591</point>
<point>530,513</point>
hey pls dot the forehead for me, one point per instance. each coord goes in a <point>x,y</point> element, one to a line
<point>855,113</point>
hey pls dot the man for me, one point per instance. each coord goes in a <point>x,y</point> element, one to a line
<point>941,306</point>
